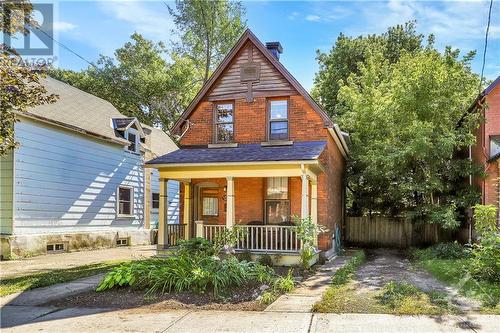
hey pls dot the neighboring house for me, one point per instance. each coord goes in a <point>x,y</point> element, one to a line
<point>256,149</point>
<point>487,149</point>
<point>77,178</point>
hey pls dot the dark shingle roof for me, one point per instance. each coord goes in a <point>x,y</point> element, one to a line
<point>299,151</point>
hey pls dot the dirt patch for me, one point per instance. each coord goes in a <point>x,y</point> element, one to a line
<point>385,265</point>
<point>243,299</point>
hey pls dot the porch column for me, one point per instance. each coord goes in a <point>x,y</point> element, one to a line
<point>230,217</point>
<point>304,212</point>
<point>162,214</point>
<point>314,206</point>
<point>187,210</point>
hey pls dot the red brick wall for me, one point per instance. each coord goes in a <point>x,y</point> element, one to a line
<point>480,152</point>
<point>250,122</point>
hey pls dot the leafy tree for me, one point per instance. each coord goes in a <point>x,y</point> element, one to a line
<point>208,30</point>
<point>21,87</point>
<point>139,81</point>
<point>403,119</point>
<point>348,53</point>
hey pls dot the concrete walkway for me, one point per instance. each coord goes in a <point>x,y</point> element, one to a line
<point>39,319</point>
<point>303,298</point>
<point>45,263</point>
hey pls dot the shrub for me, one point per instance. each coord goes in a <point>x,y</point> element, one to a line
<point>485,262</point>
<point>485,220</point>
<point>244,256</point>
<point>185,273</point>
<point>442,251</point>
<point>285,284</point>
<point>345,273</point>
<point>267,297</point>
<point>195,246</point>
<point>307,232</point>
<point>266,260</point>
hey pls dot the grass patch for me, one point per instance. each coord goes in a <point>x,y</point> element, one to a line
<point>345,273</point>
<point>394,298</point>
<point>14,285</point>
<point>454,272</point>
<point>344,299</point>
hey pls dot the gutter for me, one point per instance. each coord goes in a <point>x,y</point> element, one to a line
<point>218,164</point>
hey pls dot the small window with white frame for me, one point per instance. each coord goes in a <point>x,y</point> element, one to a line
<point>133,137</point>
<point>278,120</point>
<point>125,201</point>
<point>155,200</point>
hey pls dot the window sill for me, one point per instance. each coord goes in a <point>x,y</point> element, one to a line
<point>276,143</point>
<point>124,216</point>
<point>223,145</point>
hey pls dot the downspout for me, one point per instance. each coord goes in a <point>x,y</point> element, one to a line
<point>469,220</point>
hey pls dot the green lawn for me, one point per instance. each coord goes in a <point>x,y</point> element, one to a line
<point>453,272</point>
<point>10,286</point>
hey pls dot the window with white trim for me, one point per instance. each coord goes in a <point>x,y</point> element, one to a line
<point>133,137</point>
<point>494,145</point>
<point>278,120</point>
<point>125,200</point>
<point>155,200</point>
<point>277,202</point>
<point>224,122</point>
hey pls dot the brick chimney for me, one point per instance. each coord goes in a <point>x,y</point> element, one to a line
<point>275,48</point>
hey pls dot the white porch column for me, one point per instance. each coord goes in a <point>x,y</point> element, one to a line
<point>162,214</point>
<point>187,210</point>
<point>304,212</point>
<point>230,217</point>
<point>199,228</point>
<point>314,206</point>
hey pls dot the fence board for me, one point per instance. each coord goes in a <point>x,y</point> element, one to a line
<point>392,232</point>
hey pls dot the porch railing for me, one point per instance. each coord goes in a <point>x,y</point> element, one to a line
<point>260,238</point>
<point>174,233</point>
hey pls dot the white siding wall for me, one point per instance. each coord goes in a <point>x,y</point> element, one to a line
<point>67,182</point>
<point>173,199</point>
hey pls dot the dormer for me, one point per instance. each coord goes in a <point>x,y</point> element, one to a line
<point>130,129</point>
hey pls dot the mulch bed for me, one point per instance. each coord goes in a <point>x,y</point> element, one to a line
<point>237,299</point>
<point>126,298</point>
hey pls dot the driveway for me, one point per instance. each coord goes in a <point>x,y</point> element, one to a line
<point>385,265</point>
<point>49,262</point>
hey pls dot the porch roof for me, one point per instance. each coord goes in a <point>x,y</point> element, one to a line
<point>298,151</point>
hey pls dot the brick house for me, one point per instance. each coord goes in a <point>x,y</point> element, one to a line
<point>487,149</point>
<point>256,149</point>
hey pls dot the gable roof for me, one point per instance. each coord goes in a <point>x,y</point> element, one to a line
<point>491,86</point>
<point>85,113</point>
<point>249,36</point>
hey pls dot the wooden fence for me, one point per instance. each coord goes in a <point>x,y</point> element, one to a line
<point>392,232</point>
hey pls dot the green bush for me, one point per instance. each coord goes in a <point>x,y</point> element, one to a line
<point>485,219</point>
<point>285,284</point>
<point>195,246</point>
<point>185,273</point>
<point>443,251</point>
<point>244,256</point>
<point>266,260</point>
<point>345,273</point>
<point>485,262</point>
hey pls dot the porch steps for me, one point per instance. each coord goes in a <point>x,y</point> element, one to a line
<point>311,290</point>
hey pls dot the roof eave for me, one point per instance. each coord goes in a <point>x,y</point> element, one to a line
<point>176,165</point>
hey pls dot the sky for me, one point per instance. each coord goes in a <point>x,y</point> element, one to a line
<point>91,28</point>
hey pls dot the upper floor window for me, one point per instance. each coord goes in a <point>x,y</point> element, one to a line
<point>278,120</point>
<point>494,145</point>
<point>224,123</point>
<point>133,137</point>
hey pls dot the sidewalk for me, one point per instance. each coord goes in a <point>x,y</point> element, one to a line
<point>45,263</point>
<point>87,320</point>
<point>303,298</point>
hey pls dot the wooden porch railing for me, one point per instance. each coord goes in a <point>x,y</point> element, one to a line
<point>260,238</point>
<point>174,233</point>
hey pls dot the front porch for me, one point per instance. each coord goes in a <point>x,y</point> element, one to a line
<point>257,200</point>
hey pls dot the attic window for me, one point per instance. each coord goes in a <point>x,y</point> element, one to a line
<point>131,135</point>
